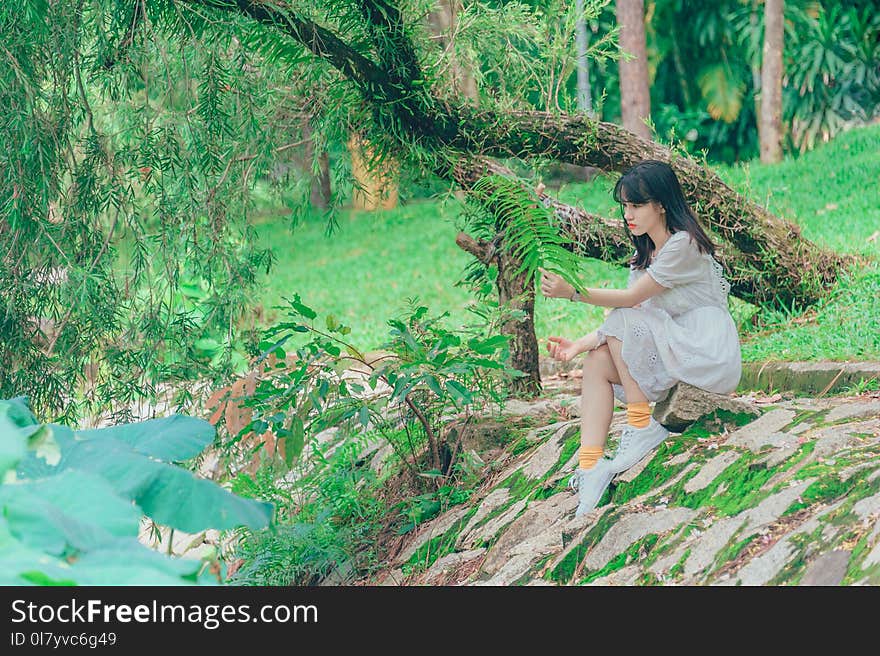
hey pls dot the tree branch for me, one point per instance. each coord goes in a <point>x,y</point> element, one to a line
<point>398,55</point>
<point>319,40</point>
<point>397,102</point>
<point>480,249</point>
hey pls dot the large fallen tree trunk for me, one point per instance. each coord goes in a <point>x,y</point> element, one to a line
<point>767,260</point>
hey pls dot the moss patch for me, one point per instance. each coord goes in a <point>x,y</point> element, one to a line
<point>677,570</point>
<point>740,483</point>
<point>564,571</point>
<point>519,444</point>
<point>652,476</point>
<point>855,570</point>
<point>636,551</point>
<point>716,422</point>
<point>519,485</point>
<point>828,488</point>
<point>572,444</point>
<point>745,481</point>
<point>435,548</point>
<point>816,417</point>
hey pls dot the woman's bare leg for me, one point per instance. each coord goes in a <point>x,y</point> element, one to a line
<point>597,396</point>
<point>635,443</point>
<point>634,393</point>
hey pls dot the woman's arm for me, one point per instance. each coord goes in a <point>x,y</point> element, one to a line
<point>564,349</point>
<point>553,286</point>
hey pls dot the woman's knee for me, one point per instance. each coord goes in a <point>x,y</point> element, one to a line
<point>598,364</point>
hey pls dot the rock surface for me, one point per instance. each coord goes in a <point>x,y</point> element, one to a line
<point>789,496</point>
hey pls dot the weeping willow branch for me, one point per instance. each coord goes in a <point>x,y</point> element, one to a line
<point>394,45</point>
<point>137,19</point>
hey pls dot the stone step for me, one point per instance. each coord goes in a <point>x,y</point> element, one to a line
<point>807,378</point>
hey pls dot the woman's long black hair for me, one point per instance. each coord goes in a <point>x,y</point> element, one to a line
<point>655,180</point>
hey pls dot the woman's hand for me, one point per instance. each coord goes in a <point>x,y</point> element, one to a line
<point>563,349</point>
<point>553,286</point>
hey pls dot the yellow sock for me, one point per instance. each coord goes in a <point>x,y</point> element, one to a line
<point>589,456</point>
<point>638,414</point>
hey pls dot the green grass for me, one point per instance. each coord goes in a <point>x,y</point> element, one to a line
<point>363,273</point>
<point>845,325</point>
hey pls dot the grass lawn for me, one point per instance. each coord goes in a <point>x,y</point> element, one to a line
<point>364,272</point>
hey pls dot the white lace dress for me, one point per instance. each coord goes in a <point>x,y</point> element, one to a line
<point>684,333</point>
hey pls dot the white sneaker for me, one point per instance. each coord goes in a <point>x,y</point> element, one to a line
<point>636,443</point>
<point>591,484</point>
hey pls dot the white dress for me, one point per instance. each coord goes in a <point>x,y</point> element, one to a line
<point>684,333</point>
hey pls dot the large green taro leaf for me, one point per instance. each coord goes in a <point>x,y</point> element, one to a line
<point>122,561</point>
<point>170,439</point>
<point>166,493</point>
<point>73,511</point>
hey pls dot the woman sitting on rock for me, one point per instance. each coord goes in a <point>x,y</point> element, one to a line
<point>670,324</point>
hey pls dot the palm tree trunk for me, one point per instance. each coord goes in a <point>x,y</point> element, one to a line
<point>771,82</point>
<point>635,93</point>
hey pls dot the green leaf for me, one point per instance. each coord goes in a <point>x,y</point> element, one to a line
<point>73,509</point>
<point>434,385</point>
<point>459,392</point>
<point>274,348</point>
<point>488,364</point>
<point>167,493</point>
<point>304,310</point>
<point>44,451</point>
<point>171,439</point>
<point>364,416</point>
<point>41,578</point>
<point>21,564</point>
<point>489,345</point>
<point>125,561</point>
<point>17,412</point>
<point>12,444</point>
<point>294,443</point>
<point>722,90</point>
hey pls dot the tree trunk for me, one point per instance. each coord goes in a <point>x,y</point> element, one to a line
<point>374,187</point>
<point>771,82</point>
<point>443,23</point>
<point>584,94</point>
<point>519,293</point>
<point>319,184</point>
<point>635,90</point>
<point>321,190</point>
<point>755,66</point>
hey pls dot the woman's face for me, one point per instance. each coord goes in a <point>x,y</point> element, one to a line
<point>644,218</point>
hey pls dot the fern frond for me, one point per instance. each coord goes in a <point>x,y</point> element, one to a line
<point>528,229</point>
